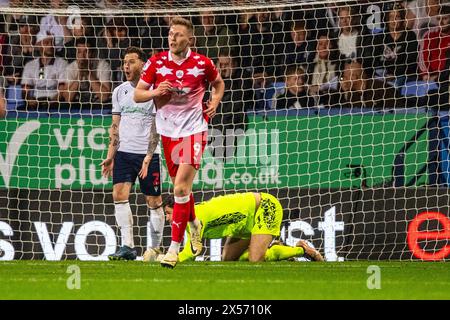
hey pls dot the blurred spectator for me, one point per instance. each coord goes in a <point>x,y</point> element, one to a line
<point>323,73</point>
<point>260,40</point>
<point>394,52</point>
<point>57,25</point>
<point>323,19</point>
<point>113,46</point>
<point>152,31</point>
<point>297,48</point>
<point>332,14</point>
<point>295,95</point>
<point>349,40</point>
<point>19,51</point>
<point>422,15</point>
<point>357,90</point>
<point>3,84</point>
<point>13,19</point>
<point>232,18</point>
<point>230,113</point>
<point>81,29</point>
<point>444,86</point>
<point>3,39</point>
<point>230,120</point>
<point>43,77</point>
<point>435,47</point>
<point>264,91</point>
<point>212,35</point>
<point>88,78</point>
<point>108,4</point>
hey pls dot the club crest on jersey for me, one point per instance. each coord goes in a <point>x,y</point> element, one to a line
<point>180,74</point>
<point>159,62</point>
<point>146,65</point>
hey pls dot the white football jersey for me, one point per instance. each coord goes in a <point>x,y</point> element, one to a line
<point>135,120</point>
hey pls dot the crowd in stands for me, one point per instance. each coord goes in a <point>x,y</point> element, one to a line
<point>328,56</point>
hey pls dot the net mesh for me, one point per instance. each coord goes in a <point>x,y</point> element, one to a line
<point>339,109</point>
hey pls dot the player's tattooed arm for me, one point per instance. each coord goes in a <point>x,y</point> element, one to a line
<point>154,139</point>
<point>114,137</point>
<point>152,144</point>
<point>107,164</point>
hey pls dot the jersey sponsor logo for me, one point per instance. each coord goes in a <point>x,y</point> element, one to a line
<point>137,109</point>
<point>180,73</point>
<point>164,71</point>
<point>196,71</point>
<point>7,162</point>
<point>181,91</point>
<point>229,218</point>
<point>146,65</point>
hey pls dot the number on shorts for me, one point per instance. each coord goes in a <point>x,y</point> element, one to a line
<point>197,148</point>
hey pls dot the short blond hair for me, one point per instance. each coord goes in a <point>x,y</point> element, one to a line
<point>179,21</point>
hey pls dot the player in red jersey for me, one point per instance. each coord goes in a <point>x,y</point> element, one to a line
<point>178,79</point>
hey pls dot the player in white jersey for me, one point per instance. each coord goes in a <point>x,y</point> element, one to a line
<point>132,139</point>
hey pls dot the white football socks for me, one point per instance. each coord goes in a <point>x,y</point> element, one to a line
<point>156,227</point>
<point>174,247</point>
<point>124,218</point>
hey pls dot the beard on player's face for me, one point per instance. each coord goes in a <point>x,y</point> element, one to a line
<point>177,47</point>
<point>132,76</point>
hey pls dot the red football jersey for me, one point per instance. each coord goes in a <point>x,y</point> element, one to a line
<point>183,115</point>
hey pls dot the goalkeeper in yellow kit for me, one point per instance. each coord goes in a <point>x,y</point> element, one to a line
<point>249,221</point>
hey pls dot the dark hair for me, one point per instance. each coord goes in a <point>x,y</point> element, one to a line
<point>396,6</point>
<point>445,9</point>
<point>295,70</point>
<point>82,41</point>
<point>168,201</point>
<point>298,25</point>
<point>140,53</point>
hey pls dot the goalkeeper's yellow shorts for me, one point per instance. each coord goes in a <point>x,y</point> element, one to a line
<point>268,217</point>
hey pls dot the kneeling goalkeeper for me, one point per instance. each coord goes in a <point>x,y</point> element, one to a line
<point>249,221</point>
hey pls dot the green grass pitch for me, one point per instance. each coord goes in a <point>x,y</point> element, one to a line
<point>219,280</point>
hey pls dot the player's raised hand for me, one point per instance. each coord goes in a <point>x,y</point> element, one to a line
<point>211,109</point>
<point>144,169</point>
<point>107,167</point>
